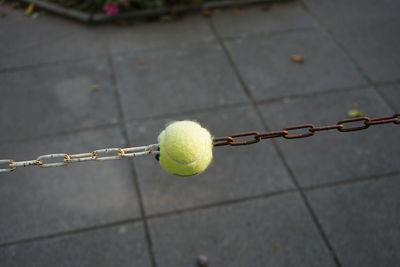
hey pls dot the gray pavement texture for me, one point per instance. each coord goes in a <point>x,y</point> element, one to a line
<point>328,200</point>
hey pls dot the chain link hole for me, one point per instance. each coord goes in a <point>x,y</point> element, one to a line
<point>240,138</point>
<point>222,141</point>
<point>52,160</point>
<point>5,165</point>
<point>398,118</point>
<point>299,131</point>
<point>354,124</point>
<point>104,154</point>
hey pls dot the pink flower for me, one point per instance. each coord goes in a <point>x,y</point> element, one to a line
<point>111,8</point>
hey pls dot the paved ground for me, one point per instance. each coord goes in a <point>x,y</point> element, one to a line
<point>329,200</point>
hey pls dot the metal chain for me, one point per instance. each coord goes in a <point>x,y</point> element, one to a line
<point>97,155</point>
<point>118,153</point>
<point>311,130</point>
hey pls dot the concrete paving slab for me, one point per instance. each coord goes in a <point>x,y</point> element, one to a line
<point>266,66</point>
<point>368,31</point>
<point>157,35</point>
<point>236,172</point>
<point>37,201</point>
<point>176,80</point>
<point>56,98</point>
<point>123,245</point>
<point>333,156</point>
<point>391,93</point>
<point>26,41</point>
<point>262,20</point>
<point>268,232</point>
<point>362,221</point>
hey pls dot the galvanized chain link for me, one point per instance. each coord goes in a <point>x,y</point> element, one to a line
<point>311,130</point>
<point>96,155</point>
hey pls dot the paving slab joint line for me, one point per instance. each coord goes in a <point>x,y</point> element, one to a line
<point>377,84</point>
<point>119,123</point>
<point>195,111</point>
<point>59,134</point>
<point>341,47</point>
<point>305,199</point>
<point>352,181</point>
<point>135,177</point>
<point>312,94</point>
<point>150,50</point>
<point>276,147</point>
<point>189,112</point>
<point>392,107</point>
<point>268,34</point>
<point>337,43</point>
<point>221,204</point>
<point>69,233</point>
<point>391,175</point>
<point>47,64</point>
<point>149,217</point>
<point>270,195</point>
<point>192,111</point>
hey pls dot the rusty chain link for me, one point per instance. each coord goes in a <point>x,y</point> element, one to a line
<point>232,140</point>
<point>96,155</point>
<point>256,137</point>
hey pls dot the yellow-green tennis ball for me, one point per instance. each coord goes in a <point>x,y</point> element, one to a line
<point>185,148</point>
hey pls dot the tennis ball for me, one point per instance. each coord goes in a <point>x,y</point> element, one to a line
<point>185,148</point>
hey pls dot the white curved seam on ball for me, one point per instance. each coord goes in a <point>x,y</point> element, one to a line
<point>185,163</point>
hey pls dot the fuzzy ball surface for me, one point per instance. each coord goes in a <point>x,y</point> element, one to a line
<point>185,148</point>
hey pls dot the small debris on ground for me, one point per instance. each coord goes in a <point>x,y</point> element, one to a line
<point>140,61</point>
<point>297,59</point>
<point>202,261</point>
<point>355,112</point>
